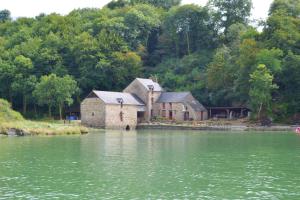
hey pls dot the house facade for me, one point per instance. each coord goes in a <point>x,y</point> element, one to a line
<point>141,101</point>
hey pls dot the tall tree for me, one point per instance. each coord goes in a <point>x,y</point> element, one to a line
<point>5,15</point>
<point>261,87</point>
<point>55,91</point>
<point>188,29</point>
<point>228,12</point>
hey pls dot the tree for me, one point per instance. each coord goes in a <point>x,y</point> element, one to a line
<point>290,84</point>
<point>261,87</point>
<point>188,28</point>
<point>140,20</point>
<point>4,15</point>
<point>24,86</point>
<point>282,28</point>
<point>55,91</point>
<point>166,4</point>
<point>221,76</point>
<point>228,12</point>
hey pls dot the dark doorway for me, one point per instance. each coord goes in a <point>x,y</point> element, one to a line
<point>140,116</point>
<point>186,116</point>
<point>170,115</point>
<point>127,128</point>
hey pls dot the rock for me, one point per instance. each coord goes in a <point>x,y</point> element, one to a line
<point>16,132</point>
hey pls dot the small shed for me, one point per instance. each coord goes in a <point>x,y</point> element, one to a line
<point>228,112</point>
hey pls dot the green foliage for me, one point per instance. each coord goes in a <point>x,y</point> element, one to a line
<point>271,58</point>
<point>4,15</point>
<point>211,51</point>
<point>228,12</point>
<point>188,29</point>
<point>53,90</point>
<point>261,87</point>
<point>7,114</point>
<point>166,4</point>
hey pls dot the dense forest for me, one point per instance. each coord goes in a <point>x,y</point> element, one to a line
<point>50,62</point>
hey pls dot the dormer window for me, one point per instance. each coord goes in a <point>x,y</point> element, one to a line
<point>120,101</point>
<point>151,88</point>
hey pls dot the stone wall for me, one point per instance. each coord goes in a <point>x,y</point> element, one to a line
<point>178,111</point>
<point>93,112</point>
<point>113,118</point>
<point>138,89</point>
<point>144,94</point>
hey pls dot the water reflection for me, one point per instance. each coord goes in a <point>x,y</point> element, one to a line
<point>151,165</point>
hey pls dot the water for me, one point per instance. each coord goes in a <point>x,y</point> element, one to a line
<point>151,165</point>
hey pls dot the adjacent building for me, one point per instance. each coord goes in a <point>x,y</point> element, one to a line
<point>141,101</point>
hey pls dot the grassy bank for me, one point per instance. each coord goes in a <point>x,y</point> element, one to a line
<point>11,120</point>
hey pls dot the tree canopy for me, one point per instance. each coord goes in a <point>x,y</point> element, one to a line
<point>212,51</point>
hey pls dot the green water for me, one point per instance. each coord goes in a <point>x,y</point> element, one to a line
<point>151,165</point>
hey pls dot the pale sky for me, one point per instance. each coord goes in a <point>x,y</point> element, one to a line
<point>32,8</point>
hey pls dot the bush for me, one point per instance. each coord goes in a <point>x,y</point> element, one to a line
<point>7,114</point>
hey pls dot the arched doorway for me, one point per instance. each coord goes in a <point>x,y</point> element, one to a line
<point>127,128</point>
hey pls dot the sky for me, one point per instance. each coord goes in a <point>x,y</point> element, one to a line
<point>32,8</point>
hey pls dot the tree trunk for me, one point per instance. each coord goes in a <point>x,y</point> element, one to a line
<point>188,43</point>
<point>35,110</point>
<point>24,104</point>
<point>10,98</point>
<point>60,111</point>
<point>259,111</point>
<point>49,110</point>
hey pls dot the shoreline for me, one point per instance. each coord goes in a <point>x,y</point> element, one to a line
<point>34,128</point>
<point>216,127</point>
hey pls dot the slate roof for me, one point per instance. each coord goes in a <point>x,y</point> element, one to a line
<point>181,97</point>
<point>112,98</point>
<point>147,82</point>
<point>173,97</point>
<point>196,105</point>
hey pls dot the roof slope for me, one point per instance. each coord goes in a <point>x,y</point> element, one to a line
<point>196,105</point>
<point>174,97</point>
<point>147,82</point>
<point>181,97</point>
<point>112,98</point>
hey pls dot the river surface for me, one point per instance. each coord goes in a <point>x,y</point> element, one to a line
<point>151,165</point>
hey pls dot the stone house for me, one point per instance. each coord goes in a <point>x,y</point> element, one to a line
<point>141,101</point>
<point>111,110</point>
<point>179,106</point>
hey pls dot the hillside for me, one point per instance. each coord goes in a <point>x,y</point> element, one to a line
<point>51,61</point>
<point>7,114</point>
<point>12,123</point>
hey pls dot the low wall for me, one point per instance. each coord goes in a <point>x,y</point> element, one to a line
<point>214,128</point>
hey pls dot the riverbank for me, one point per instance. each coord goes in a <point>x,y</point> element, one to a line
<point>13,123</point>
<point>215,127</point>
<point>26,127</point>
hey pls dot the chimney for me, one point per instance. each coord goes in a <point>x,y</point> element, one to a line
<point>154,78</point>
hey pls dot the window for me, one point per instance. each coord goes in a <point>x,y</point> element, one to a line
<point>151,113</point>
<point>93,114</point>
<point>163,106</point>
<point>163,113</point>
<point>121,116</point>
<point>151,87</point>
<point>152,100</point>
<point>170,105</point>
<point>120,101</point>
